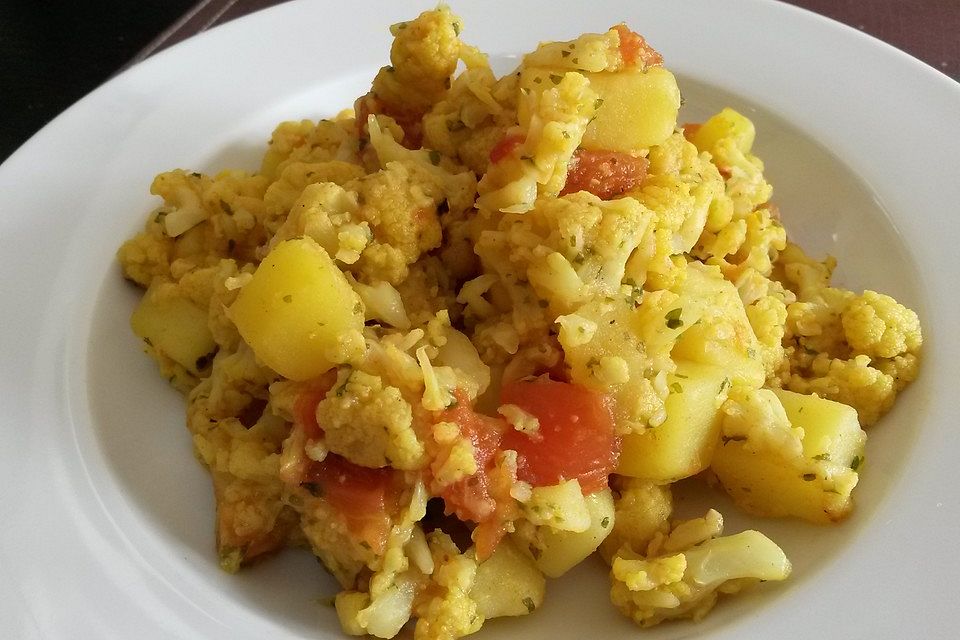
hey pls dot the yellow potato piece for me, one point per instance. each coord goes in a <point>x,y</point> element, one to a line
<point>816,485</point>
<point>725,124</point>
<point>639,109</point>
<point>298,313</point>
<point>174,326</point>
<point>831,429</point>
<point>507,583</point>
<point>683,445</point>
<point>635,110</point>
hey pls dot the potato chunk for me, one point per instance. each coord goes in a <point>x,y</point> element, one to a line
<point>556,551</point>
<point>830,429</point>
<point>683,444</point>
<point>635,110</point>
<point>725,124</point>
<point>507,583</point>
<point>639,109</point>
<point>298,313</point>
<point>174,326</point>
<point>772,467</point>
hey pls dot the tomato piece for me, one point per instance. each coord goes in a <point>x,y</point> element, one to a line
<point>471,497</point>
<point>634,48</point>
<point>690,129</point>
<point>305,406</point>
<point>576,438</point>
<point>366,498</point>
<point>605,174</point>
<point>505,147</point>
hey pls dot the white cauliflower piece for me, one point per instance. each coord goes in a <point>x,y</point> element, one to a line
<point>685,583</point>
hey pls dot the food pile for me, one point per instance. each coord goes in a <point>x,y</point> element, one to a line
<point>460,337</point>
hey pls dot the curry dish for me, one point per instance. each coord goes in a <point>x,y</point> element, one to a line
<point>466,334</point>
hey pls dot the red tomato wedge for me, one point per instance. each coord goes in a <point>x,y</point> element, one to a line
<point>634,48</point>
<point>576,438</point>
<point>605,174</point>
<point>305,406</point>
<point>505,147</point>
<point>366,498</point>
<point>471,498</point>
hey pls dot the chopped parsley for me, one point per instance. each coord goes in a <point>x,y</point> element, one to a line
<point>434,157</point>
<point>676,387</point>
<point>856,462</point>
<point>673,318</point>
<point>528,603</point>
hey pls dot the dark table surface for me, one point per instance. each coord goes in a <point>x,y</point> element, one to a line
<point>57,51</point>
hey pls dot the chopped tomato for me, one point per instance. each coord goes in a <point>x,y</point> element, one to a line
<point>576,438</point>
<point>690,129</point>
<point>605,174</point>
<point>305,406</point>
<point>471,498</point>
<point>366,498</point>
<point>633,48</point>
<point>505,147</point>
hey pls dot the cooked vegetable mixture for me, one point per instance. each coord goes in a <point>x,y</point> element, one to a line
<point>460,337</point>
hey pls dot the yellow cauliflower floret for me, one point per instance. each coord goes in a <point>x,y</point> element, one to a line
<point>642,510</point>
<point>147,255</point>
<point>681,574</point>
<point>304,141</point>
<point>854,382</point>
<point>552,124</point>
<point>399,204</point>
<point>369,423</point>
<point>424,55</point>
<point>451,614</point>
<point>880,327</point>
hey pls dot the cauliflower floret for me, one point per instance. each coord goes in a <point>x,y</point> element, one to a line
<point>451,613</point>
<point>424,55</point>
<point>876,325</point>
<point>854,382</point>
<point>308,142</point>
<point>682,574</point>
<point>146,255</point>
<point>642,511</point>
<point>370,423</point>
<point>552,125</point>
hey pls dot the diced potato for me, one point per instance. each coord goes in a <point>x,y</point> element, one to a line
<point>683,445</point>
<point>298,313</point>
<point>174,326</point>
<point>765,484</point>
<point>555,552</point>
<point>507,583</point>
<point>723,336</point>
<point>561,506</point>
<point>770,468</point>
<point>831,429</point>
<point>726,124</point>
<point>638,108</point>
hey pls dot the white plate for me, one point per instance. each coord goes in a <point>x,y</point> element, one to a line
<point>106,524</point>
